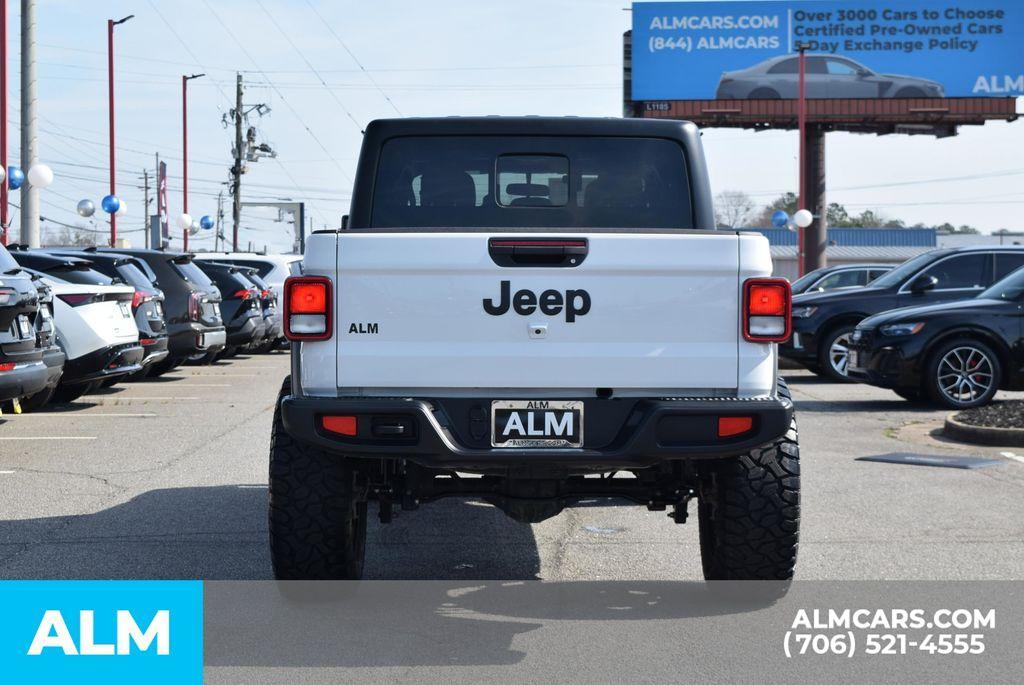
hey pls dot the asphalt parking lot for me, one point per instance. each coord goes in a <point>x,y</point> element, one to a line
<point>167,479</point>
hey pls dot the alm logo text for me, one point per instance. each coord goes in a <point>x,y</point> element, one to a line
<point>53,633</point>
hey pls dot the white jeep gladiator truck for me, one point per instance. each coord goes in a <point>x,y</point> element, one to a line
<point>534,312</point>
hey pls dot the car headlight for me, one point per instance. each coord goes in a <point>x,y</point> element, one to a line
<point>804,312</point>
<point>897,329</point>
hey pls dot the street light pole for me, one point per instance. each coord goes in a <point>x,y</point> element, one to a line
<point>802,183</point>
<point>184,151</point>
<point>110,117</point>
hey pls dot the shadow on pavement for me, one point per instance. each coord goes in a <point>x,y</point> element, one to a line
<point>221,533</point>
<point>373,624</point>
<point>847,406</point>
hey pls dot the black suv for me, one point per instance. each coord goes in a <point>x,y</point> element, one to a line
<point>191,305</point>
<point>240,305</point>
<point>954,354</point>
<point>823,322</point>
<point>147,303</point>
<point>22,370</point>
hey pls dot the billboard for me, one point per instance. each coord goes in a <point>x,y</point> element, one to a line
<point>855,49</point>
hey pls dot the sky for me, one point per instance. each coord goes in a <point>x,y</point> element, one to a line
<point>327,67</point>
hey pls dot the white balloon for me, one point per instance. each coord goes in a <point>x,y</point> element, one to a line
<point>40,175</point>
<point>803,218</point>
<point>3,174</point>
<point>184,221</point>
<point>122,210</point>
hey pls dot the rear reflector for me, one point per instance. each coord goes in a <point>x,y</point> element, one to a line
<point>308,302</point>
<point>731,426</point>
<point>767,306</point>
<point>342,425</point>
<point>146,342</point>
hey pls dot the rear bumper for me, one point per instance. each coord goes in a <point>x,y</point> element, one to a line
<point>105,363</point>
<point>26,378</point>
<point>248,331</point>
<point>649,431</point>
<point>187,339</point>
<point>156,351</point>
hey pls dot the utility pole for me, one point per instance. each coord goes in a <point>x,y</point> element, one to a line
<point>219,228</point>
<point>236,170</point>
<point>145,206</point>
<point>29,194</point>
<point>110,116</point>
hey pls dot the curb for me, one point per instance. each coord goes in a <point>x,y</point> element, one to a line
<point>983,435</point>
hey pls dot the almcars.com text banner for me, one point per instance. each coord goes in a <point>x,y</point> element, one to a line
<point>855,49</point>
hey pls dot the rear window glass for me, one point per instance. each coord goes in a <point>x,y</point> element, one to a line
<point>488,181</point>
<point>131,275</point>
<point>6,260</point>
<point>81,276</point>
<point>192,273</point>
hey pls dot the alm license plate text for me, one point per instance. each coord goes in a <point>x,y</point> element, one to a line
<point>537,423</point>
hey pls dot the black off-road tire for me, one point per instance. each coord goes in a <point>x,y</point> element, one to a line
<point>749,511</point>
<point>317,510</point>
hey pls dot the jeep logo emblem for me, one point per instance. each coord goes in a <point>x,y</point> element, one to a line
<point>550,302</point>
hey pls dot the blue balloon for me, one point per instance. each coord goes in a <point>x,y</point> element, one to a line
<point>780,219</point>
<point>110,204</point>
<point>206,222</point>
<point>15,177</point>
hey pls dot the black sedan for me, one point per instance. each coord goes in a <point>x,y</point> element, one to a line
<point>956,354</point>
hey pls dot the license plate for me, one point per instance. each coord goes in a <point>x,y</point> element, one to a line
<point>537,423</point>
<point>126,311</point>
<point>854,360</point>
<point>24,326</point>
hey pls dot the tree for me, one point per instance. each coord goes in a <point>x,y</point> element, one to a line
<point>733,209</point>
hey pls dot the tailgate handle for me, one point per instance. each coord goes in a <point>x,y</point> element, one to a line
<point>553,252</point>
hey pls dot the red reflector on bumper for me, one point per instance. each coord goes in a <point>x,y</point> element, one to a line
<point>7,366</point>
<point>342,425</point>
<point>729,426</point>
<point>146,342</point>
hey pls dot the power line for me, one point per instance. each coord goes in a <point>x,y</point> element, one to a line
<point>270,83</point>
<point>350,54</point>
<point>309,64</point>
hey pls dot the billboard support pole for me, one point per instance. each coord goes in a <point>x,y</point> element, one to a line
<point>801,200</point>
<point>815,236</point>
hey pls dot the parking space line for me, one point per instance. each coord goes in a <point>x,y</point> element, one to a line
<point>190,385</point>
<point>130,399</point>
<point>6,473</point>
<point>49,437</point>
<point>77,414</point>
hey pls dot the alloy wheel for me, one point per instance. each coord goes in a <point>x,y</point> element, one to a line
<point>964,374</point>
<point>839,354</point>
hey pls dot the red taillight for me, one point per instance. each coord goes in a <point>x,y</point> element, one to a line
<point>767,308</point>
<point>264,294</point>
<point>77,299</point>
<point>7,366</point>
<point>195,306</point>
<point>307,308</point>
<point>342,425</point>
<point>731,426</point>
<point>146,342</point>
<point>140,297</point>
<point>242,294</point>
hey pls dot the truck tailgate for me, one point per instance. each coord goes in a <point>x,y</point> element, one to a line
<point>662,312</point>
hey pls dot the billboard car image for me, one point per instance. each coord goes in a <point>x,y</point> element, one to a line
<point>827,76</point>
<point>859,49</point>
